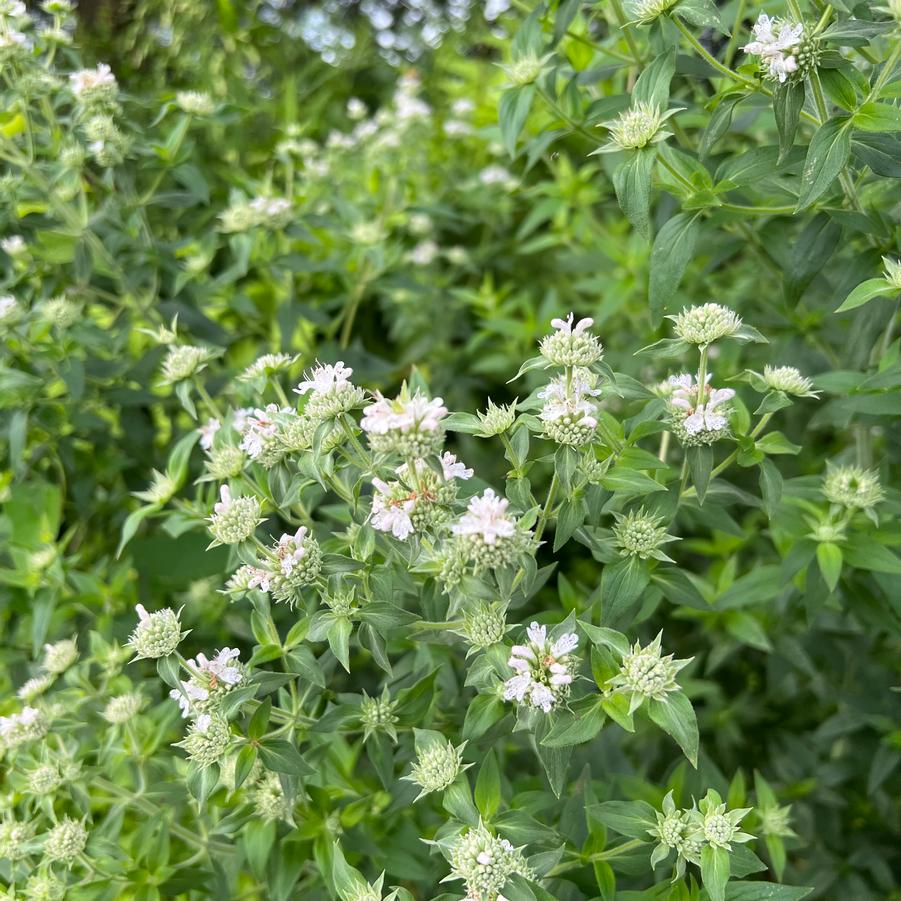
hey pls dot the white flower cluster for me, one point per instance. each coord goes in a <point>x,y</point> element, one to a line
<point>706,323</point>
<point>544,669</point>
<point>409,425</point>
<point>776,42</point>
<point>184,360</point>
<point>94,86</point>
<point>438,763</point>
<point>211,680</point>
<point>569,413</point>
<point>265,212</point>
<point>852,487</point>
<point>16,729</point>
<point>698,417</point>
<point>419,499</point>
<point>329,391</point>
<point>487,536</point>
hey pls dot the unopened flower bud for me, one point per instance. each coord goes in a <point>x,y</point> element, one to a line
<point>157,634</point>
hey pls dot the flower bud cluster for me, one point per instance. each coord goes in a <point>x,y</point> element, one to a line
<point>378,715</point>
<point>438,763</point>
<point>640,534</point>
<point>234,519</point>
<point>571,345</point>
<point>702,325</point>
<point>157,634</point>
<point>485,862</point>
<point>208,740</point>
<point>183,361</point>
<point>647,674</point>
<point>852,487</point>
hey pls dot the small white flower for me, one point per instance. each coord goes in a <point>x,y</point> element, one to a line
<point>454,469</point>
<point>486,516</point>
<point>14,245</point>
<point>390,515</point>
<point>93,84</point>
<point>208,432</point>
<point>324,378</point>
<point>9,308</point>
<point>775,42</point>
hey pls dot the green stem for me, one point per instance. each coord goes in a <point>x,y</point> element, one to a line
<point>546,510</point>
<point>675,173</point>
<point>733,40</point>
<point>626,29</point>
<point>211,404</point>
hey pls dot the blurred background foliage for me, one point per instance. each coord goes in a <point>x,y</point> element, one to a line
<point>419,242</point>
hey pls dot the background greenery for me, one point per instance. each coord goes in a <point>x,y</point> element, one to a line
<point>792,679</point>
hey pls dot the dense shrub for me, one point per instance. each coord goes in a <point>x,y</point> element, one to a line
<point>342,559</point>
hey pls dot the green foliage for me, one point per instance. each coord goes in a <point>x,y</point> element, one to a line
<point>339,561</point>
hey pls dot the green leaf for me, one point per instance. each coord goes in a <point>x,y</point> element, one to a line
<point>630,818</point>
<point>632,183</point>
<point>488,786</point>
<point>573,727</point>
<point>621,585</point>
<point>701,13</point>
<point>865,292</point>
<point>715,871</point>
<point>652,86</point>
<point>770,486</point>
<point>677,717</point>
<point>339,640</point>
<point>878,117</point>
<point>259,722</point>
<point>765,891</point>
<point>839,87</point>
<point>827,155</point>
<point>829,559</point>
<point>700,465</point>
<point>169,670</point>
<point>674,246</point>
<point>132,521</point>
<point>606,638</point>
<point>718,124</point>
<point>244,762</point>
<point>202,780</point>
<point>513,110</point>
<point>283,757</point>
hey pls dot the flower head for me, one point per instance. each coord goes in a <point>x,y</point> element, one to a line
<point>718,826</point>
<point>269,800</point>
<point>210,681</point>
<point>94,86</point>
<point>298,560</point>
<point>10,309</point>
<point>377,715</point>
<point>776,42</point>
<point>702,325</point>
<point>496,419</point>
<point>208,740</point>
<point>638,126</point>
<point>646,673</point>
<point>852,487</point>
<point>60,656</point>
<point>234,519</point>
<point>484,624</point>
<point>569,412</point>
<point>640,534</point>
<point>409,425</point>
<point>329,391</point>
<point>438,763</point>
<point>183,361</point>
<point>526,69</point>
<point>544,669</point>
<point>65,841</point>
<point>157,634</point>
<point>698,417</point>
<point>35,687</point>
<point>789,380</point>
<point>485,862</point>
<point>123,708</point>
<point>195,103</point>
<point>266,365</point>
<point>646,11</point>
<point>18,728</point>
<point>571,345</point>
<point>208,432</point>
